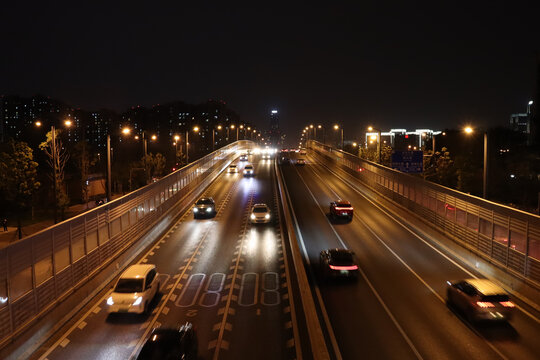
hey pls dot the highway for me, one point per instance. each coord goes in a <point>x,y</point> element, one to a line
<point>224,275</point>
<point>396,309</point>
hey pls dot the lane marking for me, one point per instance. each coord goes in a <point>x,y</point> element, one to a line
<point>354,188</point>
<point>414,273</point>
<point>177,282</point>
<point>220,342</point>
<point>381,301</point>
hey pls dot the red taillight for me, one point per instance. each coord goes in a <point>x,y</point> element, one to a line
<point>507,304</point>
<point>343,208</point>
<point>351,267</point>
<point>484,304</point>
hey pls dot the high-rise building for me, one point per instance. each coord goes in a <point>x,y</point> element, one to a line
<point>274,134</point>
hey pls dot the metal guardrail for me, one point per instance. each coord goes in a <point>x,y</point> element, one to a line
<point>42,269</point>
<point>508,237</point>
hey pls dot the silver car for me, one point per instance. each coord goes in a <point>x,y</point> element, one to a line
<point>480,299</point>
<point>260,214</point>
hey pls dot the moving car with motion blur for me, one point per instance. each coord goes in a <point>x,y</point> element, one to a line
<point>134,290</point>
<point>300,162</point>
<point>479,299</point>
<point>243,157</point>
<point>336,263</point>
<point>204,207</point>
<point>341,209</point>
<point>233,169</point>
<point>249,170</point>
<point>167,343</point>
<point>260,214</point>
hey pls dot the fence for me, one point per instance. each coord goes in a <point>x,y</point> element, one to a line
<point>507,236</point>
<point>40,270</point>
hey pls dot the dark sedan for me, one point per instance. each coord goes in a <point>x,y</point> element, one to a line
<point>338,263</point>
<point>170,343</point>
<point>204,207</point>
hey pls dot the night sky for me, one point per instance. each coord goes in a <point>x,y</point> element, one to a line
<point>399,64</point>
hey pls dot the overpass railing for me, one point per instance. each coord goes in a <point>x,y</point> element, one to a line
<point>508,237</point>
<point>42,269</point>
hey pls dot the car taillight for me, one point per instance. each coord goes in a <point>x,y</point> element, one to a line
<point>484,304</point>
<point>352,267</point>
<point>508,304</point>
<point>343,208</point>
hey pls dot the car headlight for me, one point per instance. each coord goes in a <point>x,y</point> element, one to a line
<point>137,301</point>
<point>267,216</point>
<point>208,209</point>
<point>110,301</point>
<point>245,171</point>
<point>195,209</point>
<point>253,216</point>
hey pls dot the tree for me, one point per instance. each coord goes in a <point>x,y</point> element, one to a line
<point>18,174</point>
<point>84,161</point>
<point>154,165</point>
<point>61,157</point>
<point>439,168</point>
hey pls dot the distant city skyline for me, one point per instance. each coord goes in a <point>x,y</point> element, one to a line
<point>427,65</point>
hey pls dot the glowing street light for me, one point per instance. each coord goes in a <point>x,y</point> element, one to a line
<point>469,130</point>
<point>337,127</point>
<point>371,128</point>
<point>195,129</point>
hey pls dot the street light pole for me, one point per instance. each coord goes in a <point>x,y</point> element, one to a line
<point>485,178</point>
<point>109,168</point>
<point>187,146</point>
<point>53,135</point>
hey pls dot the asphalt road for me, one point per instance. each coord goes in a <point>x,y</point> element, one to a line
<point>396,309</point>
<point>224,275</point>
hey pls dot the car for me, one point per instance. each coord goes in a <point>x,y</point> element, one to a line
<point>335,263</point>
<point>300,162</point>
<point>260,214</point>
<point>479,299</point>
<point>266,156</point>
<point>134,290</point>
<point>249,170</point>
<point>233,169</point>
<point>204,207</point>
<point>170,343</point>
<point>243,157</point>
<point>341,209</point>
<point>303,152</point>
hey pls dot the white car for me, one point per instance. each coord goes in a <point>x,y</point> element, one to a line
<point>134,290</point>
<point>260,214</point>
<point>233,169</point>
<point>249,170</point>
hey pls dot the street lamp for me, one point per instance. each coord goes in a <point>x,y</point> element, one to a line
<point>219,127</point>
<point>371,128</point>
<point>337,127</point>
<point>323,134</point>
<point>469,130</point>
<point>195,129</point>
<point>529,106</point>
